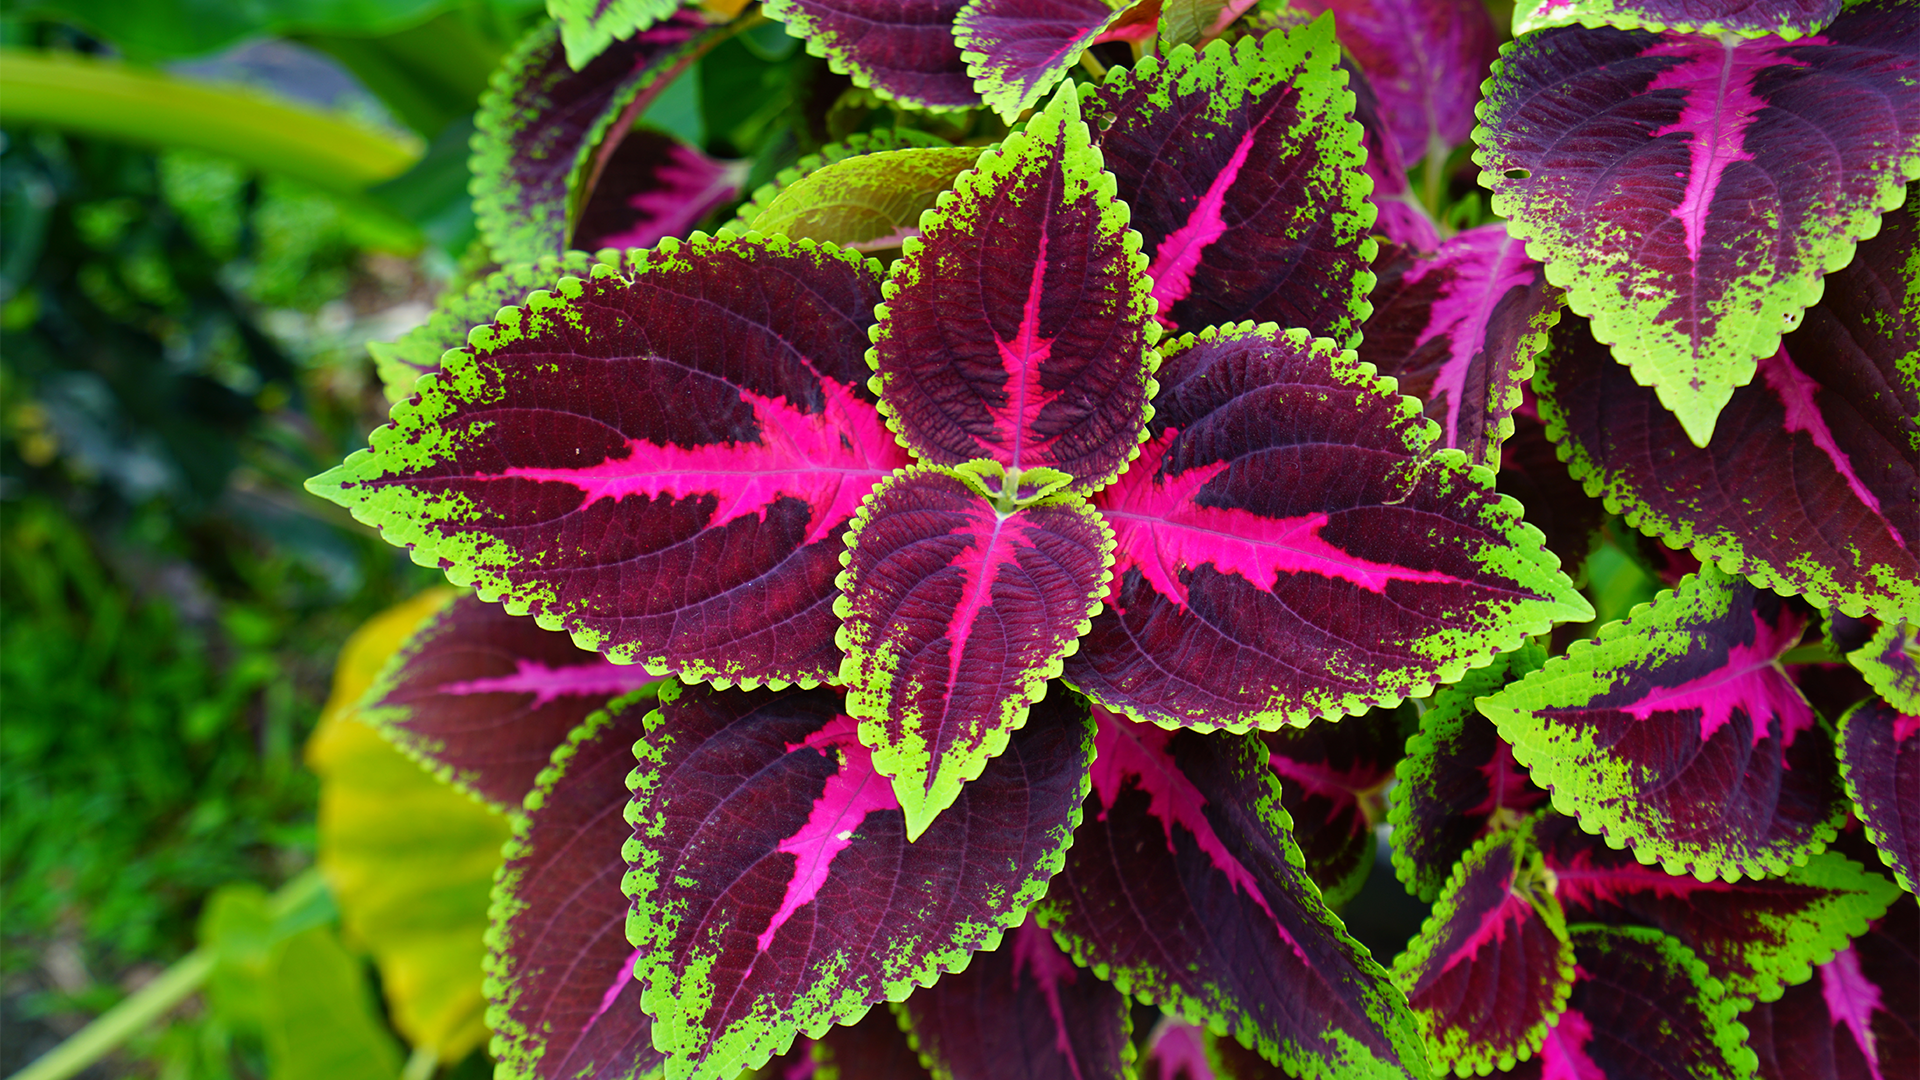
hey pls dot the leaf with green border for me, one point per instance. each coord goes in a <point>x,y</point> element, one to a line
<point>1857,1019</point>
<point>1017,50</point>
<point>1196,22</point>
<point>902,50</point>
<point>588,27</point>
<point>870,142</point>
<point>1676,732</point>
<point>653,186</point>
<point>1745,18</point>
<point>1880,764</point>
<point>1891,663</point>
<point>774,891</point>
<point>868,200</point>
<point>1333,780</point>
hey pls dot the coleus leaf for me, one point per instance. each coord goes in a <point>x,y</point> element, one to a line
<point>955,614</point>
<point>902,50</point>
<point>1785,154</point>
<point>660,459</point>
<point>1745,18</point>
<point>1491,967</point>
<point>1196,22</point>
<point>1880,763</point>
<point>1331,781</point>
<point>873,1048</point>
<point>651,187</point>
<point>1754,936</point>
<point>1810,487</point>
<point>1556,503</point>
<point>1676,732</point>
<point>482,697</point>
<point>1177,1050</point>
<point>868,202</point>
<point>1459,781</point>
<point>1643,1008</point>
<point>1289,542</point>
<point>1022,1010</point>
<point>774,890</point>
<point>1890,660</point>
<point>1425,60</point>
<point>401,363</point>
<point>1184,887</point>
<point>588,27</point>
<point>544,128</point>
<point>1017,327</point>
<point>564,1002</point>
<point>1017,50</point>
<point>1401,219</point>
<point>1858,1018</point>
<point>1242,168</point>
<point>1460,329</point>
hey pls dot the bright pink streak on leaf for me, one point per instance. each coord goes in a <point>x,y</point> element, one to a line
<point>1720,103</point>
<point>689,185</point>
<point>1180,1047</point>
<point>1752,681</point>
<point>1577,883</point>
<point>831,459</point>
<point>1564,1057</point>
<point>1122,748</point>
<point>601,678</point>
<point>1462,311</point>
<point>1506,784</point>
<point>1022,358</point>
<point>1035,953</point>
<point>607,999</point>
<point>1177,256</point>
<point>1512,910</point>
<point>1904,727</point>
<point>1795,390</point>
<point>1159,528</point>
<point>1852,999</point>
<point>850,795</point>
<point>1334,784</point>
<point>994,546</point>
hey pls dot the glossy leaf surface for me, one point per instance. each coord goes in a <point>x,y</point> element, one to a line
<point>901,49</point>
<point>1880,761</point>
<point>1290,547</point>
<point>868,201</point>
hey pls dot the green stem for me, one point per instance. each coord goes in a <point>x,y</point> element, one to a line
<point>121,1022</point>
<point>1809,654</point>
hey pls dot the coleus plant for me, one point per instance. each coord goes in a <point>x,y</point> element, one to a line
<point>1009,593</point>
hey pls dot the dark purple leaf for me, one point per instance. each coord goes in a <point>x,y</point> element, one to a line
<point>901,49</point>
<point>1492,967</point>
<point>1289,547</point>
<point>1017,50</point>
<point>1242,169</point>
<point>873,1049</point>
<point>774,890</point>
<point>1748,18</point>
<point>484,697</point>
<point>1332,776</point>
<point>546,129</point>
<point>1018,328</point>
<point>1022,1010</point>
<point>1402,221</point>
<point>1690,192</point>
<point>1554,501</point>
<point>1858,1018</point>
<point>1459,330</point>
<point>653,186</point>
<point>1183,885</point>
<point>1677,733</point>
<point>1880,761</point>
<point>564,1002</point>
<point>661,460</point>
<point>954,616</point>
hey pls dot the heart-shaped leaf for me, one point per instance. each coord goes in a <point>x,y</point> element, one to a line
<point>588,27</point>
<point>1491,968</point>
<point>1022,1010</point>
<point>660,459</point>
<point>1018,327</point>
<point>1880,763</point>
<point>482,698</point>
<point>1242,168</point>
<point>1677,732</point>
<point>955,615</point>
<point>902,50</point>
<point>1183,887</point>
<point>1332,777</point>
<point>1789,19</point>
<point>773,887</point>
<point>1288,542</point>
<point>1017,50</point>
<point>1858,1018</point>
<point>651,187</point>
<point>559,968</point>
<point>1692,191</point>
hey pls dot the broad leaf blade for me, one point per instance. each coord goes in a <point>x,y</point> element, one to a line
<point>1858,1018</point>
<point>1834,420</point>
<point>1677,732</point>
<point>873,1048</point>
<point>954,617</point>
<point>856,145</point>
<point>559,969</point>
<point>902,50</point>
<point>1880,763</point>
<point>1891,663</point>
<point>660,460</point>
<point>1018,327</point>
<point>868,202</point>
<point>588,27</point>
<point>1184,887</point>
<point>773,888</point>
<point>1786,153</point>
<point>1017,50</point>
<point>482,698</point>
<point>1242,166</point>
<point>1287,539</point>
<point>1331,781</point>
<point>1022,1010</point>
<point>651,187</point>
<point>1789,19</point>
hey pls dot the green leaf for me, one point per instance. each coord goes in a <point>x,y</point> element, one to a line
<point>320,1021</point>
<point>587,27</point>
<point>868,202</point>
<point>1891,664</point>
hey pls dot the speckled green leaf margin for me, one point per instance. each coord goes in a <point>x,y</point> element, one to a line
<point>1667,970</point>
<point>1890,661</point>
<point>867,201</point>
<point>1007,77</point>
<point>1790,19</point>
<point>587,27</point>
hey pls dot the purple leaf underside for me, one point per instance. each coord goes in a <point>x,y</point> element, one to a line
<point>1185,852</point>
<point>1693,190</point>
<point>563,1000</point>
<point>1289,548</point>
<point>1880,761</point>
<point>1858,1018</point>
<point>954,617</point>
<point>901,49</point>
<point>653,186</point>
<point>1017,50</point>
<point>484,697</point>
<point>773,887</point>
<point>661,459</point>
<point>1331,781</point>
